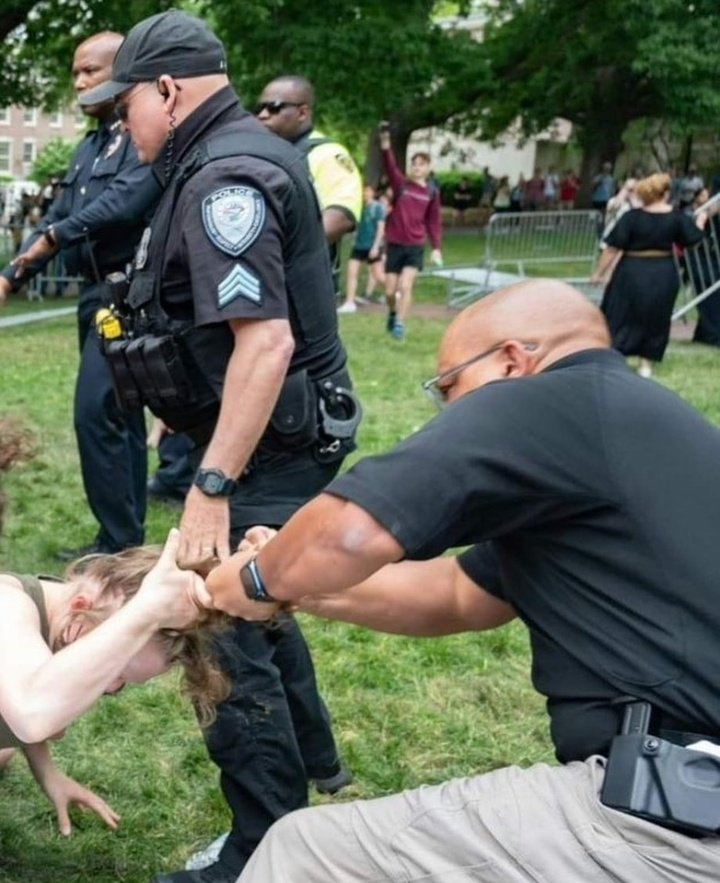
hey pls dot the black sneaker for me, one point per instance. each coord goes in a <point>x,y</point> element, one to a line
<point>217,872</point>
<point>160,493</point>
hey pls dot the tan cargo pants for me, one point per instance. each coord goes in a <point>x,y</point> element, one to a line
<point>540,825</point>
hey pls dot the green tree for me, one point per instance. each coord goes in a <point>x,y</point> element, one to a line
<point>601,64</point>
<point>40,36</point>
<point>53,160</point>
<point>368,60</point>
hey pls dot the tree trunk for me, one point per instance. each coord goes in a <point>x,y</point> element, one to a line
<point>399,138</point>
<point>373,162</point>
<point>600,143</point>
<point>687,153</point>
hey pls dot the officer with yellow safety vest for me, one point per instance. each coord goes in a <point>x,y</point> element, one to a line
<point>286,108</point>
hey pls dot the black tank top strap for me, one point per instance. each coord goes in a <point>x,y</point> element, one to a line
<point>33,589</point>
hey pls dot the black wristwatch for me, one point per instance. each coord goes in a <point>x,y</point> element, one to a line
<point>253,583</point>
<point>214,482</point>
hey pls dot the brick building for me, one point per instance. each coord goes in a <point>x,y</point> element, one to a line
<point>24,131</point>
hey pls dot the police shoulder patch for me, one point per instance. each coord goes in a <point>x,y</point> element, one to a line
<point>345,161</point>
<point>239,282</point>
<point>233,218</point>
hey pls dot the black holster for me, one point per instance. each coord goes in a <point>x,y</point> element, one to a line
<point>658,780</point>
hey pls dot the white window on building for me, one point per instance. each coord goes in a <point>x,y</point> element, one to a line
<point>56,119</point>
<point>30,116</point>
<point>5,156</point>
<point>28,154</point>
<point>5,116</point>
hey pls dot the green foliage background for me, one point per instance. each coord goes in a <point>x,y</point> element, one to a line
<point>53,160</point>
<point>602,64</point>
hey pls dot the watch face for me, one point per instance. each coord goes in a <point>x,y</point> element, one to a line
<point>213,483</point>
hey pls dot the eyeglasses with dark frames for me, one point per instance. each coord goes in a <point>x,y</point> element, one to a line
<point>274,107</point>
<point>437,387</point>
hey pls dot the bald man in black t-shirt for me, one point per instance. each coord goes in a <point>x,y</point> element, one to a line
<point>590,499</point>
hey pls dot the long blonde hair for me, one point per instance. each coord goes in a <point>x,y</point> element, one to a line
<point>120,576</point>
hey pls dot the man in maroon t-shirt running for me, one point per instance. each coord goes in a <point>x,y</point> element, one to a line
<point>415,215</point>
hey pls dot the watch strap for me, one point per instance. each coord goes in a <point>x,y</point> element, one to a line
<point>214,482</point>
<point>253,583</point>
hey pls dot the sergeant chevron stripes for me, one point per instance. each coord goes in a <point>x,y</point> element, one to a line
<point>239,282</point>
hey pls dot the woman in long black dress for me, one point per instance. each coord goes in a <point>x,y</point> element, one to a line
<point>643,279</point>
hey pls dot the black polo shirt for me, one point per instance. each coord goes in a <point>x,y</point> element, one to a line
<point>599,492</point>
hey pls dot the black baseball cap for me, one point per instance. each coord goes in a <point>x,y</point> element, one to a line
<point>171,42</point>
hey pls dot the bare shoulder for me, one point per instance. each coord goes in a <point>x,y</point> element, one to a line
<point>9,582</point>
<point>14,601</point>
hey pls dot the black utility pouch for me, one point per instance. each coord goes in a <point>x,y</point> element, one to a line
<point>163,364</point>
<point>128,395</point>
<point>652,778</point>
<point>294,420</point>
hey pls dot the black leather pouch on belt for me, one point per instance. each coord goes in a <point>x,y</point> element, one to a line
<point>127,393</point>
<point>163,363</point>
<point>148,371</point>
<point>294,420</point>
<point>657,780</point>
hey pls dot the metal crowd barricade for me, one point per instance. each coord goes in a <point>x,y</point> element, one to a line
<point>53,276</point>
<point>699,265</point>
<point>523,244</point>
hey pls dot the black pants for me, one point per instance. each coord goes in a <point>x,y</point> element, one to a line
<point>174,472</point>
<point>273,732</point>
<point>111,443</point>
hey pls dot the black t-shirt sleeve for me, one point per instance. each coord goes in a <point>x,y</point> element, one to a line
<point>481,564</point>
<point>233,246</point>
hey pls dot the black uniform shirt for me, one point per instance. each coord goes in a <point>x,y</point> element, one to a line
<point>225,257</point>
<point>600,494</point>
<point>105,199</point>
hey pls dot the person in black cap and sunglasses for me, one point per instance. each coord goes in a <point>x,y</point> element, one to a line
<point>232,338</point>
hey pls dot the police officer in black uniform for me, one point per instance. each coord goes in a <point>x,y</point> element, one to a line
<point>97,220</point>
<point>230,335</point>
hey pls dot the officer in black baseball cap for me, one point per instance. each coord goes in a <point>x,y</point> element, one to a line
<point>232,294</point>
<point>172,43</point>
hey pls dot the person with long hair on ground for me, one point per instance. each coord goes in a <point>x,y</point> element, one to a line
<point>113,620</point>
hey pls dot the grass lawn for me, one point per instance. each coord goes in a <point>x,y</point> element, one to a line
<point>406,711</point>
